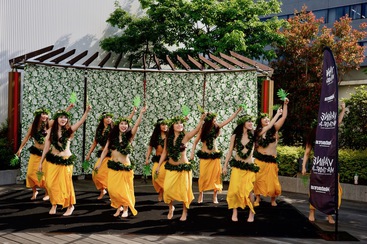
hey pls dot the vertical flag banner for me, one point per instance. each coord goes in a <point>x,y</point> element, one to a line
<point>323,179</point>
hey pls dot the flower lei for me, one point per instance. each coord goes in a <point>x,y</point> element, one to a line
<point>210,138</point>
<point>174,151</point>
<point>55,140</point>
<point>179,168</point>
<point>212,155</point>
<point>102,136</point>
<point>244,165</point>
<point>41,134</point>
<point>160,141</point>
<point>249,145</point>
<point>269,138</point>
<point>124,147</point>
<point>117,166</point>
<point>60,160</point>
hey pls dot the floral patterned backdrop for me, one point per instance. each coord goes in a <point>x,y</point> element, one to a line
<point>114,91</point>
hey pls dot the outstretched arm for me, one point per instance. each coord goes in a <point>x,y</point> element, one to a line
<point>230,118</point>
<point>147,155</point>
<point>25,140</point>
<point>229,154</point>
<point>278,124</point>
<point>192,133</point>
<point>138,121</point>
<point>92,147</point>
<point>76,126</point>
<point>132,113</point>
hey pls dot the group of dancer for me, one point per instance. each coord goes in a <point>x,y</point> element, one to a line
<point>254,169</point>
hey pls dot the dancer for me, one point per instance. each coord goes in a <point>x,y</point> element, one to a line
<point>101,136</point>
<point>241,183</point>
<point>310,143</point>
<point>157,142</point>
<point>178,179</point>
<point>120,169</point>
<point>210,165</point>
<point>266,141</point>
<point>38,131</point>
<point>59,182</point>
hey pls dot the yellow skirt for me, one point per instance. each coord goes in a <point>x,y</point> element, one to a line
<point>100,179</point>
<point>59,184</point>
<point>267,181</point>
<point>121,189</point>
<point>178,187</point>
<point>31,178</point>
<point>158,183</point>
<point>240,187</point>
<point>210,175</point>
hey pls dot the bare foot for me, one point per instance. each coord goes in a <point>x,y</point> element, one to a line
<point>273,202</point>
<point>234,215</point>
<point>184,215</point>
<point>330,219</point>
<point>118,211</point>
<point>53,209</point>
<point>160,196</point>
<point>103,192</point>
<point>46,198</point>
<point>170,212</point>
<point>215,197</point>
<point>69,211</point>
<point>311,216</point>
<point>251,217</point>
<point>201,196</point>
<point>257,201</point>
<point>125,213</point>
<point>34,196</point>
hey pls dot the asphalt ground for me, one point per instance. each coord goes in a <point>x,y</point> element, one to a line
<point>92,221</point>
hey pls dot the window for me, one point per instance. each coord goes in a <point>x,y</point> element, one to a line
<point>355,11</point>
<point>321,14</point>
<point>337,13</point>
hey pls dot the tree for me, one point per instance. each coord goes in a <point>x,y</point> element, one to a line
<point>197,26</point>
<point>298,69</point>
<point>354,128</point>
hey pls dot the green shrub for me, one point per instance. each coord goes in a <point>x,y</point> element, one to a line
<point>350,163</point>
<point>6,150</point>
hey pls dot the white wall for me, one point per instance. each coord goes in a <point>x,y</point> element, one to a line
<point>29,25</point>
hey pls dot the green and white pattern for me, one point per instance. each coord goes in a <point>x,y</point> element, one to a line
<point>114,91</point>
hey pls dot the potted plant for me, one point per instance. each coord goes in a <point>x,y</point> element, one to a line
<point>8,171</point>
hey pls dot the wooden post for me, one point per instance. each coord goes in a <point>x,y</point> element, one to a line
<point>14,85</point>
<point>267,94</point>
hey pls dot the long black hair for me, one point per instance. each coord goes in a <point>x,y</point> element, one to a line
<point>154,139</point>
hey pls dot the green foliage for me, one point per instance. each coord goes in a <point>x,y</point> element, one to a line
<point>350,163</point>
<point>6,150</point>
<point>197,26</point>
<point>298,69</point>
<point>354,127</point>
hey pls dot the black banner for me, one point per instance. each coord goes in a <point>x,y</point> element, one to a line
<point>323,179</point>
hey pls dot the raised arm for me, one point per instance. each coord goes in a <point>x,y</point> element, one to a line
<point>272,122</point>
<point>92,147</point>
<point>76,126</point>
<point>278,124</point>
<point>138,121</point>
<point>230,118</point>
<point>132,113</point>
<point>25,140</point>
<point>229,154</point>
<point>192,133</point>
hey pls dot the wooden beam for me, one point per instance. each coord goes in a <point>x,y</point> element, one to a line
<point>105,60</point>
<point>156,60</point>
<point>208,62</point>
<point>24,57</point>
<point>170,63</point>
<point>118,61</point>
<point>64,56</point>
<point>91,59</point>
<point>218,60</point>
<point>196,63</point>
<point>184,64</point>
<point>50,54</point>
<point>235,61</point>
<point>77,58</point>
<point>253,63</point>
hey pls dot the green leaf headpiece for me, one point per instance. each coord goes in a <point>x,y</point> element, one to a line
<point>162,122</point>
<point>244,119</point>
<point>120,119</point>
<point>40,111</point>
<point>104,115</point>
<point>61,113</point>
<point>210,116</point>
<point>176,119</point>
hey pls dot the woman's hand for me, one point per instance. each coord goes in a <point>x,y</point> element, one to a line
<point>225,169</point>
